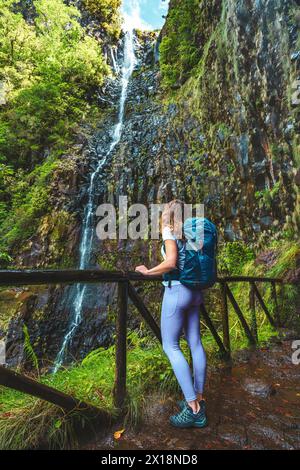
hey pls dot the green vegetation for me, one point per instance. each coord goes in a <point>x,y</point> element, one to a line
<point>47,69</point>
<point>179,49</point>
<point>25,421</point>
<point>30,354</point>
<point>233,257</point>
<point>107,13</point>
<point>187,37</point>
<point>29,201</point>
<point>50,69</point>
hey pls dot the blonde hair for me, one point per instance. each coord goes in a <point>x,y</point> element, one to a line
<point>173,216</point>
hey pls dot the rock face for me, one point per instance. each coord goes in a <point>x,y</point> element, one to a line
<point>227,137</point>
<point>238,117</point>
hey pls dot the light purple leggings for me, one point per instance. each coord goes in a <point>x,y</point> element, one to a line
<point>180,312</point>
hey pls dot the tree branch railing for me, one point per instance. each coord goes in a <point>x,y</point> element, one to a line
<point>22,383</point>
<point>127,291</point>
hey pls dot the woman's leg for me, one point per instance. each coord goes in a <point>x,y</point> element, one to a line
<point>172,319</point>
<point>193,337</point>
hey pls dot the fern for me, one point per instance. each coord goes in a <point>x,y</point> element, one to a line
<point>92,355</point>
<point>31,356</point>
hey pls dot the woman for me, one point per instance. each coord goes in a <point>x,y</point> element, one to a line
<point>180,312</point>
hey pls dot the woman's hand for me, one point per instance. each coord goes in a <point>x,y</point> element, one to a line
<point>164,267</point>
<point>141,269</point>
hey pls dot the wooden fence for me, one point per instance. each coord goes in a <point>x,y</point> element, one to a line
<point>126,291</point>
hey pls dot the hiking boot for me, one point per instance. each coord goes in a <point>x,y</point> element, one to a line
<point>183,403</point>
<point>187,419</point>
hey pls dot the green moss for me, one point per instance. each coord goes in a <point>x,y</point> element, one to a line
<point>107,13</point>
<point>233,257</point>
<point>9,305</point>
<point>54,229</point>
<point>267,197</point>
<point>30,201</point>
<point>178,50</point>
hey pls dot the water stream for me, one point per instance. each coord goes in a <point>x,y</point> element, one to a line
<point>88,229</point>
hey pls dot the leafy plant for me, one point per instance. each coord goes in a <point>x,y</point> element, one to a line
<point>233,256</point>
<point>31,356</point>
<point>50,67</point>
<point>106,11</point>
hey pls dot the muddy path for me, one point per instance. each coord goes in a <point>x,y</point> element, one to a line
<point>252,404</point>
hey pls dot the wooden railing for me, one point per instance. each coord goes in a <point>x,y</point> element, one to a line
<point>127,291</point>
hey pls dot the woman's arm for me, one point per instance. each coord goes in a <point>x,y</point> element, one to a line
<point>167,265</point>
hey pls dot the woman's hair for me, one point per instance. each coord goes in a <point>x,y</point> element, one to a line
<point>173,216</point>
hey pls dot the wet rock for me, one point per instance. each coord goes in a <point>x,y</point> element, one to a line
<point>256,228</point>
<point>274,360</point>
<point>27,9</point>
<point>265,437</point>
<point>14,343</point>
<point>28,306</point>
<point>267,258</point>
<point>229,233</point>
<point>258,388</point>
<point>266,221</point>
<point>259,168</point>
<point>242,356</point>
<point>234,434</point>
<point>157,407</point>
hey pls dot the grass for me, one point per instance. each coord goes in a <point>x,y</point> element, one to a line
<point>27,422</point>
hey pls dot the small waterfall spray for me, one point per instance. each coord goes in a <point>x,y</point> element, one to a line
<point>129,62</point>
<point>115,64</point>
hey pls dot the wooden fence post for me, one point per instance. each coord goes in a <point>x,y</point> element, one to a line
<point>262,304</point>
<point>274,294</point>
<point>143,310</point>
<point>225,318</point>
<point>214,332</point>
<point>121,346</point>
<point>239,313</point>
<point>253,312</point>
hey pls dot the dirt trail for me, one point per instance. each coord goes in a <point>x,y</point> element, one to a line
<point>255,404</point>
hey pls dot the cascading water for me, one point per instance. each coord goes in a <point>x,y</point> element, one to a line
<point>129,62</point>
<point>114,61</point>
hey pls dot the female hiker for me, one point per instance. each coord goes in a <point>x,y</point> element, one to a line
<point>180,312</point>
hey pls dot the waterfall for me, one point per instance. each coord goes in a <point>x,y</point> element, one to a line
<point>88,230</point>
<point>115,64</point>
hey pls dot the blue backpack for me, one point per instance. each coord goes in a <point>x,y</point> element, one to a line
<point>200,267</point>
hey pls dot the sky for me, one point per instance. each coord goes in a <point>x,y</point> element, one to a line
<point>145,14</point>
